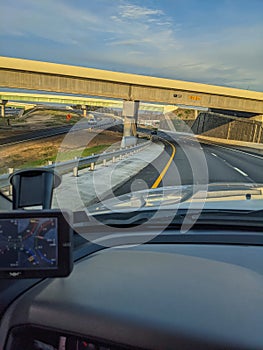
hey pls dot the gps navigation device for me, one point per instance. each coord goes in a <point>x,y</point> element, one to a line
<point>35,244</point>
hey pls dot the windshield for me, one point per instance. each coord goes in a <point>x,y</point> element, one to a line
<point>139,107</point>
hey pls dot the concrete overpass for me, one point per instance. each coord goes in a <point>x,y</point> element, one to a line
<point>21,98</point>
<point>44,76</point>
<point>21,105</point>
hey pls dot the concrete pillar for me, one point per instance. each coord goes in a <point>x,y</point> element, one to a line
<point>2,110</point>
<point>196,113</point>
<point>258,118</point>
<point>3,103</point>
<point>84,111</point>
<point>169,108</point>
<point>130,114</point>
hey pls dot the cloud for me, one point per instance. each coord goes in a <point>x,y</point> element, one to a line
<point>137,12</point>
<point>136,39</point>
<point>136,26</point>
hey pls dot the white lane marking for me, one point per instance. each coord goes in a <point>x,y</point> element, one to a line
<point>232,167</point>
<point>234,150</point>
<point>240,171</point>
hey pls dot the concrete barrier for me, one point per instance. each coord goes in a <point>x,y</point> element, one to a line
<point>251,147</point>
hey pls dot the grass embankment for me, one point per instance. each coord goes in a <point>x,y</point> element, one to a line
<point>56,117</point>
<point>60,118</point>
<point>62,157</point>
<point>40,152</point>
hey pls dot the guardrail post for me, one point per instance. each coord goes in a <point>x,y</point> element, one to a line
<point>113,159</point>
<point>75,170</point>
<point>104,162</point>
<point>10,188</point>
<point>92,165</point>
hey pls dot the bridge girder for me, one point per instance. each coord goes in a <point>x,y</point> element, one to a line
<point>44,76</point>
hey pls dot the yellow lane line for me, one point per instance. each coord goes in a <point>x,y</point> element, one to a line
<point>160,177</point>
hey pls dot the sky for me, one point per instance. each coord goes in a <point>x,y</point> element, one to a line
<point>205,41</point>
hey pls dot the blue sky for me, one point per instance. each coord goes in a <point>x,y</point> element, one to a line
<point>207,41</point>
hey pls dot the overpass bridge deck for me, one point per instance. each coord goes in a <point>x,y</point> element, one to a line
<point>46,76</point>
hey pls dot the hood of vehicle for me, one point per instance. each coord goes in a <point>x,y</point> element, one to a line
<point>231,196</point>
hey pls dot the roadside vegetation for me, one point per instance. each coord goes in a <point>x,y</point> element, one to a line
<point>41,152</point>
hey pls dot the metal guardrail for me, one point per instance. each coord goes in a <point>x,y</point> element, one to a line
<point>69,165</point>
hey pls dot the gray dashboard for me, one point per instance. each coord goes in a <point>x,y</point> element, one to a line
<point>154,297</point>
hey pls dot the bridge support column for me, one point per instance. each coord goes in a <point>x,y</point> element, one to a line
<point>130,114</point>
<point>196,113</point>
<point>3,103</point>
<point>84,111</point>
<point>258,118</point>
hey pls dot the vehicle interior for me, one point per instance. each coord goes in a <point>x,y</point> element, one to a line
<point>132,227</point>
<point>200,289</point>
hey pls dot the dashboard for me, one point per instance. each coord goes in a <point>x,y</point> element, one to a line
<point>151,296</point>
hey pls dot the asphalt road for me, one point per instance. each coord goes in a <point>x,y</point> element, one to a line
<point>34,135</point>
<point>48,132</point>
<point>195,163</point>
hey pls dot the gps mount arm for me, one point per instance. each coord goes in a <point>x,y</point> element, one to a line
<point>33,187</point>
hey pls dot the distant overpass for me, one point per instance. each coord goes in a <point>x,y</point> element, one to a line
<point>20,105</point>
<point>75,100</point>
<point>44,76</point>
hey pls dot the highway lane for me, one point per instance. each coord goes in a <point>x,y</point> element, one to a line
<point>248,167</point>
<point>195,163</point>
<point>35,135</point>
<point>225,164</point>
<point>50,131</point>
<point>148,176</point>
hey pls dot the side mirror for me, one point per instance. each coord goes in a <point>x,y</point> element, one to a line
<point>33,187</point>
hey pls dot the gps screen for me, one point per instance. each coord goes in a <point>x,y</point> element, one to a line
<point>29,243</point>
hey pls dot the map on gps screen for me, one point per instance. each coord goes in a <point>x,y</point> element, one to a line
<point>28,243</point>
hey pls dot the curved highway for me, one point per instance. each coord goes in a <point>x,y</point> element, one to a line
<point>185,161</point>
